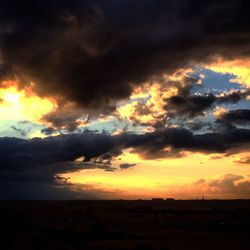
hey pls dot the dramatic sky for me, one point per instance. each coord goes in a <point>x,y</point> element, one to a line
<point>124,99</point>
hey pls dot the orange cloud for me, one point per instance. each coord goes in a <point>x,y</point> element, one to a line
<point>147,102</point>
<point>219,111</point>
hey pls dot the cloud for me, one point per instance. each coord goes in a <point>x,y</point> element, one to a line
<point>48,131</point>
<point>93,52</point>
<point>58,119</point>
<point>238,116</point>
<point>196,126</point>
<point>43,160</point>
<point>126,165</point>
<point>173,100</point>
<point>74,166</point>
<point>228,186</point>
<point>244,160</point>
<point>22,132</point>
<point>66,116</point>
<point>32,168</point>
<point>171,142</point>
<point>192,105</point>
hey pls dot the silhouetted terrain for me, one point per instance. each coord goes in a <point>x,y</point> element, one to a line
<point>197,224</point>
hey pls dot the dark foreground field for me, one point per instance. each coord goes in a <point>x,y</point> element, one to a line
<point>125,225</point>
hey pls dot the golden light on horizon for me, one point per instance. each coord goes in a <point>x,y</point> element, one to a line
<point>168,177</point>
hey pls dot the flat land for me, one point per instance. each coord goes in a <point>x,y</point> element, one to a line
<point>121,224</point>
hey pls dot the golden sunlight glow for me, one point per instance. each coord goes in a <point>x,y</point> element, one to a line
<point>171,177</point>
<point>11,98</point>
<point>179,75</point>
<point>219,111</point>
<point>147,102</point>
<point>22,104</point>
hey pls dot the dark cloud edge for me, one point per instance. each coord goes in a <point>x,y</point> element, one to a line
<point>50,156</point>
<point>40,162</point>
<point>90,52</point>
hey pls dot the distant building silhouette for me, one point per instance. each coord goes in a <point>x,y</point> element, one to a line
<point>170,199</point>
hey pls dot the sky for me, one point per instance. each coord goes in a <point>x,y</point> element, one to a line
<point>124,99</point>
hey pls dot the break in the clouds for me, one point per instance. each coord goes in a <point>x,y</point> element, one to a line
<point>92,52</point>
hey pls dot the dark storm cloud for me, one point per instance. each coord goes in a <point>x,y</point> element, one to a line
<point>238,116</point>
<point>153,145</point>
<point>190,105</point>
<point>40,160</point>
<point>90,52</point>
<point>186,104</point>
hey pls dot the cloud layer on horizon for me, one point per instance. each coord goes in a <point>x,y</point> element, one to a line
<point>40,160</point>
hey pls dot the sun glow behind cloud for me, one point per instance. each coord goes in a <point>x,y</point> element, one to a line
<point>22,104</point>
